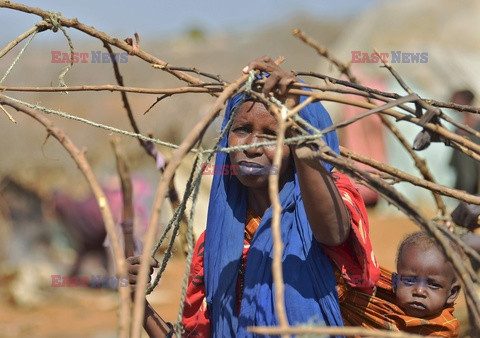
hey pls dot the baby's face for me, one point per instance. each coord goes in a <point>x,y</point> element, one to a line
<point>424,284</point>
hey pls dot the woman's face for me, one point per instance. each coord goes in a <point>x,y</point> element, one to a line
<point>251,123</point>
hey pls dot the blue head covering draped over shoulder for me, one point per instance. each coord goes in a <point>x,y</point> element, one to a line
<point>310,286</point>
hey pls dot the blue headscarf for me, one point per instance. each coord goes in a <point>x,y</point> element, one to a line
<point>310,286</point>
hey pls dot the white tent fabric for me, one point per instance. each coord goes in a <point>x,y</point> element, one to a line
<point>446,30</point>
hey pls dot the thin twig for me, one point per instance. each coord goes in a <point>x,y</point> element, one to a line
<point>41,26</point>
<point>111,88</point>
<point>10,117</point>
<point>445,191</point>
<point>151,151</point>
<point>128,214</point>
<point>192,70</point>
<point>405,206</point>
<point>74,23</point>
<point>81,161</point>
<point>345,69</point>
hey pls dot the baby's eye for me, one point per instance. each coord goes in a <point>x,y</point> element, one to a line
<point>433,285</point>
<point>409,281</point>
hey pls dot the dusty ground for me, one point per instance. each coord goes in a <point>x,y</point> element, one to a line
<point>79,312</point>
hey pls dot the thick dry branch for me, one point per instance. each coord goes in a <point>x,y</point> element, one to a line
<point>112,88</point>
<point>373,91</point>
<point>451,105</point>
<point>408,209</point>
<point>41,26</point>
<point>445,191</point>
<point>397,115</point>
<point>418,161</point>
<point>79,158</point>
<point>377,109</point>
<point>150,149</point>
<point>461,126</point>
<point>458,241</point>
<point>74,23</point>
<point>128,214</point>
<point>331,331</point>
<point>175,161</point>
<point>345,69</point>
<point>273,192</point>
<point>322,51</point>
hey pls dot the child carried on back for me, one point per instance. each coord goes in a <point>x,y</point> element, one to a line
<point>418,298</point>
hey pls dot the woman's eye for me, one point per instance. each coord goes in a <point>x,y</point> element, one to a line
<point>271,133</point>
<point>241,130</point>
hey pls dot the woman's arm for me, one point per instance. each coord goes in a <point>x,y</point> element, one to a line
<point>153,324</point>
<point>326,212</point>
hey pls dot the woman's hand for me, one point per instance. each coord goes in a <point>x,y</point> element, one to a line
<point>133,266</point>
<point>278,81</point>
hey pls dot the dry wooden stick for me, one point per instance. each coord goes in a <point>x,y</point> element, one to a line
<point>345,69</point>
<point>467,249</point>
<point>399,116</point>
<point>74,23</point>
<point>128,213</point>
<point>10,117</point>
<point>192,70</point>
<point>41,26</point>
<point>150,149</point>
<point>111,88</point>
<point>373,91</point>
<point>174,162</point>
<point>330,331</point>
<point>445,191</point>
<point>461,126</point>
<point>81,161</point>
<point>405,206</point>
<point>377,109</point>
<point>339,88</point>
<point>456,106</point>
<point>322,51</point>
<point>273,191</point>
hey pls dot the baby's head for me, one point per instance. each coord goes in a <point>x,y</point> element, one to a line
<point>425,281</point>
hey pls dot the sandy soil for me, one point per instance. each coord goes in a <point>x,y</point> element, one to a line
<point>80,312</point>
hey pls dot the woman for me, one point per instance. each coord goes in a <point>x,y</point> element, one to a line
<point>322,215</point>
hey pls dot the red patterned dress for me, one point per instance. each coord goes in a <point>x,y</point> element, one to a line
<point>354,259</point>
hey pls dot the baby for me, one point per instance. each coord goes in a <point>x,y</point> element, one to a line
<point>425,282</point>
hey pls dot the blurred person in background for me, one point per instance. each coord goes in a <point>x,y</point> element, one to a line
<point>467,169</point>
